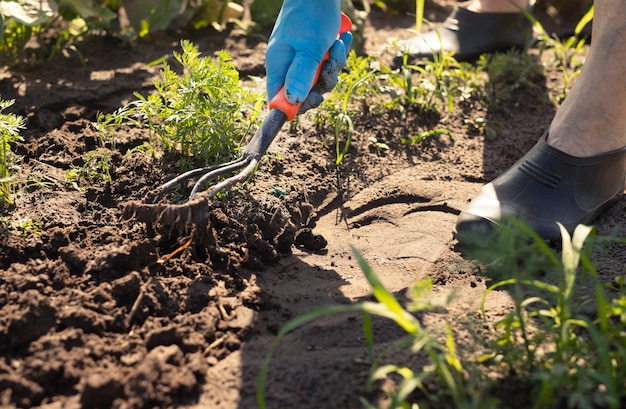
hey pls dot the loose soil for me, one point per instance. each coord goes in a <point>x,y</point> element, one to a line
<point>99,310</point>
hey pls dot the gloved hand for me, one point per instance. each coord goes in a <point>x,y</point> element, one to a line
<point>305,30</point>
<point>329,74</point>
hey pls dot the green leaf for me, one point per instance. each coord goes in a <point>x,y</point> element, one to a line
<point>397,313</point>
<point>29,12</point>
<point>586,19</point>
<point>425,135</point>
<point>571,254</point>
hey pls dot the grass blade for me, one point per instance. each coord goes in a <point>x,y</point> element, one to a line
<point>402,317</point>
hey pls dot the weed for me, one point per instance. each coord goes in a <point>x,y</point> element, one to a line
<point>567,52</point>
<point>422,136</point>
<point>23,227</point>
<point>278,192</point>
<point>27,227</point>
<point>96,168</point>
<point>508,73</point>
<point>569,357</point>
<point>551,342</point>
<point>357,88</point>
<point>202,116</point>
<point>420,85</point>
<point>434,85</point>
<point>366,84</point>
<point>377,144</point>
<point>10,125</point>
<point>67,39</point>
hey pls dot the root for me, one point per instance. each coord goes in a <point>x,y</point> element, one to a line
<point>195,211</point>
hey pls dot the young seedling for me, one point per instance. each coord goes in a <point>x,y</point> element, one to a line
<point>422,136</point>
<point>96,168</point>
<point>357,88</point>
<point>10,126</point>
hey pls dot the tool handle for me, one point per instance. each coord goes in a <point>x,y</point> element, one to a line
<point>280,101</point>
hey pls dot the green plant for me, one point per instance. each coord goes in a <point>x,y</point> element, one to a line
<point>377,144</point>
<point>567,345</point>
<point>21,21</point>
<point>69,19</point>
<point>357,87</point>
<point>566,52</point>
<point>445,363</point>
<point>419,89</point>
<point>507,74</point>
<point>434,86</point>
<point>95,168</point>
<point>562,342</point>
<point>68,38</point>
<point>368,85</point>
<point>422,136</point>
<point>10,126</point>
<point>23,227</point>
<point>202,115</point>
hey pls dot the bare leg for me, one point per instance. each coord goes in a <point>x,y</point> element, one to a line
<point>578,172</point>
<point>592,118</point>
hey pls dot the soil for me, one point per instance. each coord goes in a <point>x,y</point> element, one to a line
<point>101,310</point>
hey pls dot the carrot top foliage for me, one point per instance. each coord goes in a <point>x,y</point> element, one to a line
<point>202,114</point>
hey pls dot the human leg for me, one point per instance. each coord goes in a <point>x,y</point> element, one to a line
<point>592,119</point>
<point>577,169</point>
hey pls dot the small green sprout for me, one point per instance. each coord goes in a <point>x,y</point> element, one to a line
<point>422,136</point>
<point>23,226</point>
<point>96,168</point>
<point>10,126</point>
<point>378,145</point>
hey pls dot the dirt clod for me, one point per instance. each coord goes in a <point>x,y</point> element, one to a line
<point>29,317</point>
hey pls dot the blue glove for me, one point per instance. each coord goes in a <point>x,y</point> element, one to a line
<point>305,30</point>
<point>329,74</point>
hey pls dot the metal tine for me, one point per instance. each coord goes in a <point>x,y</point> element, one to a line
<point>166,187</point>
<point>221,170</point>
<point>254,151</point>
<point>239,177</point>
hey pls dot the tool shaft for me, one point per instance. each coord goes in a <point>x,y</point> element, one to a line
<point>264,136</point>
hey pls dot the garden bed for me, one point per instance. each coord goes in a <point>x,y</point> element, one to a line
<point>102,310</point>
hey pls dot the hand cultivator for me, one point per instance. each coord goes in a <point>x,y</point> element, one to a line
<point>252,153</point>
<point>195,210</point>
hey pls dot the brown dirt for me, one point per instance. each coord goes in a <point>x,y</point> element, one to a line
<point>93,313</point>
